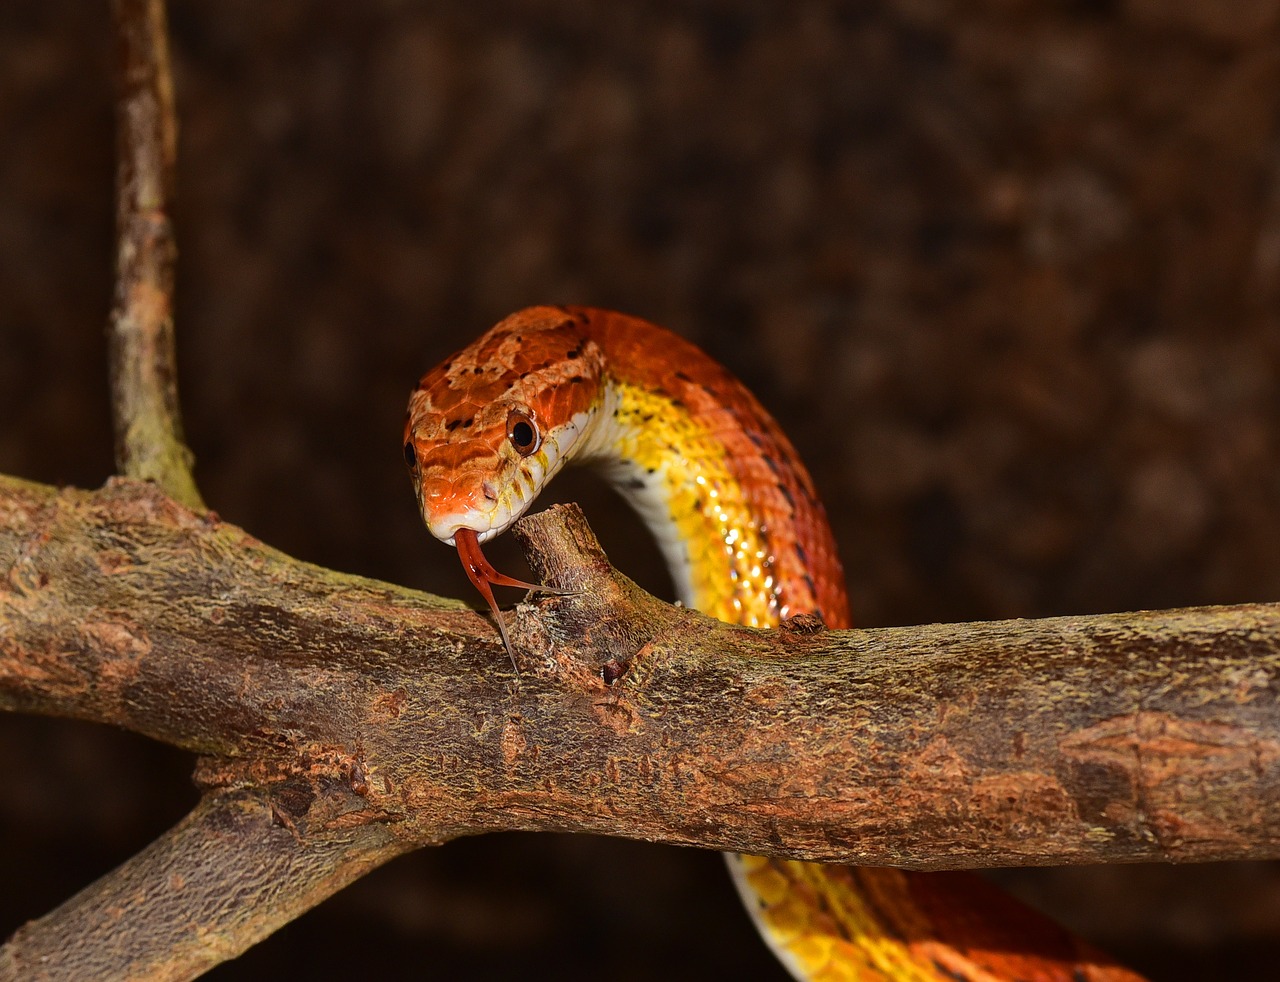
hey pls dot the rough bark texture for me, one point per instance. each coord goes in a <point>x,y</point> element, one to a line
<point>1109,739</point>
<point>227,876</point>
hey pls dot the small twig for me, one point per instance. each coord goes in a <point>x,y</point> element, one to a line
<point>144,386</point>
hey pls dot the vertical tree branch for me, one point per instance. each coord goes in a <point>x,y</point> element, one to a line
<point>144,381</point>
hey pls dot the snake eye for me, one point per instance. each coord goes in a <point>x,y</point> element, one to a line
<point>523,433</point>
<point>410,455</point>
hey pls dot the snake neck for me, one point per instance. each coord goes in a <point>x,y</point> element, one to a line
<point>673,477</point>
<point>712,476</point>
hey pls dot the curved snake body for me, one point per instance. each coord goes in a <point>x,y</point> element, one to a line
<point>746,539</point>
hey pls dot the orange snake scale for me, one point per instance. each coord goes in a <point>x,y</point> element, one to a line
<point>741,527</point>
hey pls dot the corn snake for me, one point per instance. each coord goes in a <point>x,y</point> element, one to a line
<point>746,538</point>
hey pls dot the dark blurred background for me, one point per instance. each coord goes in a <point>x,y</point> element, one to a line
<point>1006,271</point>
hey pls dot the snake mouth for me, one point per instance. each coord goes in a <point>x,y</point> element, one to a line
<point>484,578</point>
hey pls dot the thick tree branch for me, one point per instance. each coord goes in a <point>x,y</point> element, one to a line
<point>144,385</point>
<point>1081,739</point>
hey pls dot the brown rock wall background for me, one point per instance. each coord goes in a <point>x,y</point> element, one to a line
<point>1006,271</point>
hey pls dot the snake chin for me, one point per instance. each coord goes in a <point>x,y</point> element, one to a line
<point>446,529</point>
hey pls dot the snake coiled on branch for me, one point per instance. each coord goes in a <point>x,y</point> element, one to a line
<point>746,539</point>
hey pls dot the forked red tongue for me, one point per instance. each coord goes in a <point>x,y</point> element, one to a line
<point>484,577</point>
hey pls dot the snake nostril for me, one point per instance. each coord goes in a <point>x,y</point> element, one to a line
<point>489,490</point>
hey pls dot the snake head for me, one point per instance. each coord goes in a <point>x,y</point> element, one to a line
<point>487,429</point>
